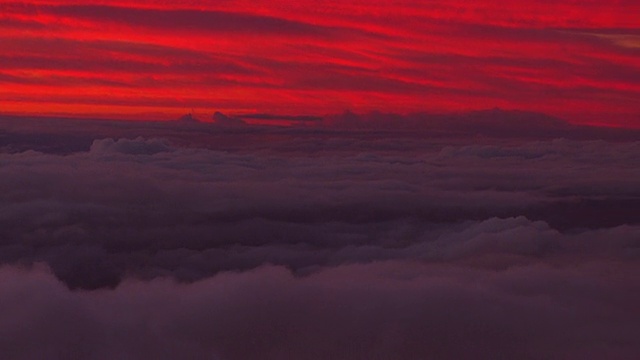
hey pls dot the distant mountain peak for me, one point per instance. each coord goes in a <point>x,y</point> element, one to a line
<point>227,121</point>
<point>188,118</point>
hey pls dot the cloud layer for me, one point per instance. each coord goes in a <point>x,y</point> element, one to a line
<point>147,208</point>
<point>212,242</point>
<point>389,310</point>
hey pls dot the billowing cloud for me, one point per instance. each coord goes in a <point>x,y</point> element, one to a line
<point>150,207</point>
<point>204,241</point>
<point>385,310</point>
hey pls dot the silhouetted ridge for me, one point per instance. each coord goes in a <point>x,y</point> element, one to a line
<point>227,121</point>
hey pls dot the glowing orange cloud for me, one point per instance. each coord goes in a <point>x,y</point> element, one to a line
<point>158,58</point>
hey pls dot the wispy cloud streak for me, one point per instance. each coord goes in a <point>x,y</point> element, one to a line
<point>574,60</point>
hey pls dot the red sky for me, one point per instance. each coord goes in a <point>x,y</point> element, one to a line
<point>157,59</point>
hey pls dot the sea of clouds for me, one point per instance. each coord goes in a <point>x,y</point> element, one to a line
<point>317,244</point>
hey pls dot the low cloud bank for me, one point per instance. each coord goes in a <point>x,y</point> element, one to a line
<point>315,246</point>
<point>383,310</point>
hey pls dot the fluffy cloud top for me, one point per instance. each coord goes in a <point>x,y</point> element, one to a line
<point>312,245</point>
<point>145,208</point>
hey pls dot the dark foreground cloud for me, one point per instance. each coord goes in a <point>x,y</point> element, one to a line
<point>385,310</point>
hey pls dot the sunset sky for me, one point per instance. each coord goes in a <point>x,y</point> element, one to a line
<point>158,59</point>
<point>358,179</point>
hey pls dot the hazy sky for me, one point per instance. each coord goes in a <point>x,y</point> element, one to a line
<point>159,59</point>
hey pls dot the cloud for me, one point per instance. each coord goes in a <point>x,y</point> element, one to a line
<point>295,118</point>
<point>210,242</point>
<point>494,122</point>
<point>138,146</point>
<point>387,310</point>
<point>227,121</point>
<point>186,19</point>
<point>310,198</point>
